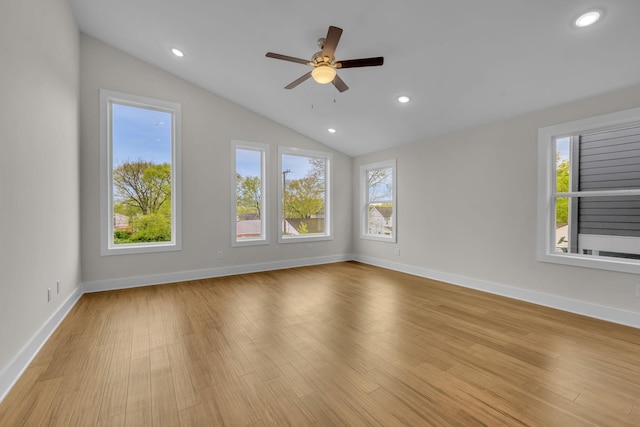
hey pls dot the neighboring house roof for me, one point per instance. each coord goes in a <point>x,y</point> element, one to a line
<point>248,217</point>
<point>249,228</point>
<point>385,211</point>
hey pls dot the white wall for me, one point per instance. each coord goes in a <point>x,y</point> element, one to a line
<point>209,123</point>
<point>467,210</point>
<point>39,186</point>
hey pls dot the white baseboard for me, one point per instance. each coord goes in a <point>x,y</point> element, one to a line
<point>157,279</point>
<point>10,375</point>
<point>609,314</point>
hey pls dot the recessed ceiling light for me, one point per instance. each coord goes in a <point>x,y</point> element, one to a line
<point>404,99</point>
<point>177,52</point>
<point>331,130</point>
<point>588,18</point>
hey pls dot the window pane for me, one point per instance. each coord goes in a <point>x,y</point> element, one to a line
<point>599,226</point>
<point>610,216</point>
<point>248,194</point>
<point>609,226</point>
<point>304,195</point>
<point>563,164</point>
<point>380,184</point>
<point>562,243</point>
<point>610,160</point>
<point>142,174</point>
<point>380,219</point>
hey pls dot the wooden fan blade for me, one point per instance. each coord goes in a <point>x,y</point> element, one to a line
<point>364,62</point>
<point>339,83</point>
<point>331,41</point>
<point>287,58</point>
<point>298,81</point>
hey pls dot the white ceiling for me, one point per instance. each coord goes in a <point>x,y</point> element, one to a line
<point>464,63</point>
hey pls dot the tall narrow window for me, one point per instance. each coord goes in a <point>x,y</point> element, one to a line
<point>249,201</point>
<point>140,203</point>
<point>378,201</point>
<point>305,212</point>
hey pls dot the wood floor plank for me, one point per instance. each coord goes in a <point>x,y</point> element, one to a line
<point>141,343</point>
<point>328,345</point>
<point>404,413</point>
<point>61,409</point>
<point>115,421</point>
<point>138,405</point>
<point>283,406</point>
<point>164,408</point>
<point>114,398</point>
<point>233,403</point>
<point>36,407</point>
<point>195,416</point>
<point>91,386</point>
<point>24,387</point>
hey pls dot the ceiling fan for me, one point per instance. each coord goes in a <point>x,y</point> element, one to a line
<point>324,63</point>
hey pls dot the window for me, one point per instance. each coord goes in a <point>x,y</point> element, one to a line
<point>140,170</point>
<point>589,192</point>
<point>305,209</point>
<point>249,201</point>
<point>378,201</point>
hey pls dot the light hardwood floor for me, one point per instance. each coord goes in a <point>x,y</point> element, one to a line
<point>340,344</point>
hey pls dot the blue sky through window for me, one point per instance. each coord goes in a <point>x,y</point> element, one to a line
<point>381,190</point>
<point>140,133</point>
<point>248,162</point>
<point>299,166</point>
<point>562,148</point>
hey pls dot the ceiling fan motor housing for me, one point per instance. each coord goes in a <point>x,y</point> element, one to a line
<point>318,59</point>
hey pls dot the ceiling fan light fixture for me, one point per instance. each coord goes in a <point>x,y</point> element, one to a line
<point>323,74</point>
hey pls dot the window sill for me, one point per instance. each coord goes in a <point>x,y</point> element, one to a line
<point>127,249</point>
<point>249,242</point>
<point>298,239</point>
<point>379,238</point>
<point>586,261</point>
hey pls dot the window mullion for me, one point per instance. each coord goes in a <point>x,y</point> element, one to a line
<point>599,193</point>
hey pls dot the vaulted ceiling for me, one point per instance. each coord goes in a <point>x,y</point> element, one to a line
<point>463,63</point>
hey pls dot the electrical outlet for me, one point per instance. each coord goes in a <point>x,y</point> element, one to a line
<point>49,295</point>
<point>58,287</point>
<point>220,255</point>
<point>397,251</point>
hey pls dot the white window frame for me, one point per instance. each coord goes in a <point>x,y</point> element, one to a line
<point>264,155</point>
<point>107,246</point>
<point>547,194</point>
<point>365,202</point>
<point>328,226</point>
